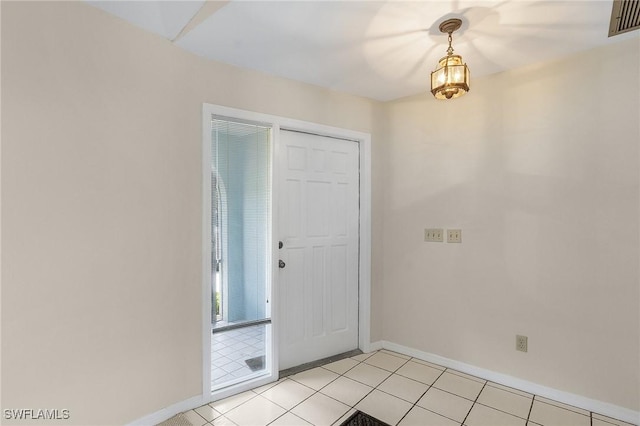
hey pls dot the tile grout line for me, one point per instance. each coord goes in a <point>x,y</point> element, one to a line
<point>237,406</point>
<point>466,376</point>
<point>486,384</point>
<point>387,393</point>
<point>474,402</point>
<point>316,391</point>
<point>565,407</point>
<point>372,387</point>
<point>421,396</point>
<point>508,389</point>
<point>502,411</point>
<point>406,361</point>
<point>357,381</point>
<point>530,410</point>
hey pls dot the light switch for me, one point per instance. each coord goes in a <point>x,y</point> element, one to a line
<point>454,235</point>
<point>433,235</point>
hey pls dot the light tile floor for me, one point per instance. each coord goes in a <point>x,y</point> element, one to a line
<point>393,388</point>
<point>230,349</point>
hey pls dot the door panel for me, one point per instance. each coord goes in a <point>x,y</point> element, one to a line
<point>294,325</point>
<point>319,224</point>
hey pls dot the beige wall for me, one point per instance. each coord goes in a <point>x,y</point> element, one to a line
<point>540,168</point>
<point>101,206</point>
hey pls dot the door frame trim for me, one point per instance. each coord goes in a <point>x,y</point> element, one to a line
<point>364,286</point>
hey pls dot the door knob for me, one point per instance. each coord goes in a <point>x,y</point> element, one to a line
<point>280,244</point>
<point>281,264</point>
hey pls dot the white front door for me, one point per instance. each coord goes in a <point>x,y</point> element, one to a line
<point>319,230</point>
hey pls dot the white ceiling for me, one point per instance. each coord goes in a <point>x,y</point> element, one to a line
<point>378,49</point>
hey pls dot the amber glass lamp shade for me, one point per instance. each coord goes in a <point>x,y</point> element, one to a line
<point>451,79</point>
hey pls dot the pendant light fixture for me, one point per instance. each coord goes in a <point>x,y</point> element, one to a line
<point>451,79</point>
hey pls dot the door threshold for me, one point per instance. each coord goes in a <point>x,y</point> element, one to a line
<point>313,364</point>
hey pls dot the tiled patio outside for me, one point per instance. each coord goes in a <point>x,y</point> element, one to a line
<point>231,349</point>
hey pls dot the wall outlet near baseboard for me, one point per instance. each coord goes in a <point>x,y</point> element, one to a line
<point>521,343</point>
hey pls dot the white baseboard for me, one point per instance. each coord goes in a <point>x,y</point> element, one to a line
<point>168,412</point>
<point>600,407</point>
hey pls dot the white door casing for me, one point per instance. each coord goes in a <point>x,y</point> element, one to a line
<point>364,291</point>
<point>318,222</point>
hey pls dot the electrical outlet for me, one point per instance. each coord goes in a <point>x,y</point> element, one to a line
<point>433,235</point>
<point>454,235</point>
<point>521,343</point>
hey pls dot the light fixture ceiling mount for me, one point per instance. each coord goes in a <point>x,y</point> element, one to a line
<point>451,78</point>
<point>450,25</point>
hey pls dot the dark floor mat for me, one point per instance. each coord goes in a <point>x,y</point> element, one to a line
<point>361,419</point>
<point>256,363</point>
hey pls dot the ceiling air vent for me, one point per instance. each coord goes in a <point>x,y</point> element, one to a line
<point>625,17</point>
